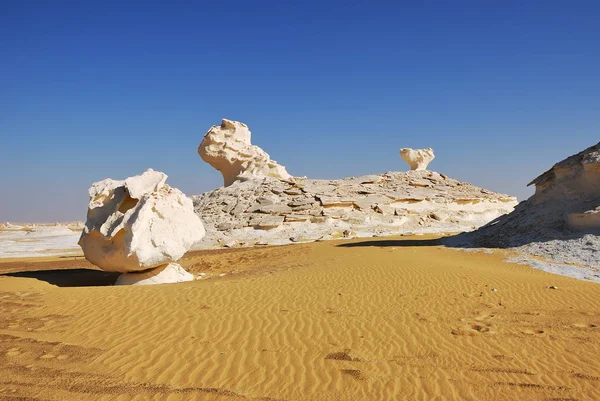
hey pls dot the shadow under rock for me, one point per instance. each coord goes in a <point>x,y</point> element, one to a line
<point>394,242</point>
<point>70,277</point>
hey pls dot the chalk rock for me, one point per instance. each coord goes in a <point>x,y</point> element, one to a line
<point>228,149</point>
<point>576,177</point>
<point>560,222</point>
<point>48,231</point>
<point>586,221</point>
<point>138,223</point>
<point>171,273</point>
<point>301,209</point>
<point>417,159</point>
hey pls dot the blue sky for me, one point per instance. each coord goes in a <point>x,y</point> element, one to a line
<point>89,90</point>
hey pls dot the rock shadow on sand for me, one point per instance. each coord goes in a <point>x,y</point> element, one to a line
<point>70,277</point>
<point>394,243</point>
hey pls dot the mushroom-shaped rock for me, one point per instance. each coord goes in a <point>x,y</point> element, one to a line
<point>228,149</point>
<point>417,159</point>
<point>138,223</point>
<point>171,273</point>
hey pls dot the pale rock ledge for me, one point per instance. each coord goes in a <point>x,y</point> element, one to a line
<point>417,159</point>
<point>303,210</point>
<point>559,223</point>
<point>228,149</point>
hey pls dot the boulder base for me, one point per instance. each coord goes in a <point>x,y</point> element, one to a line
<point>171,273</point>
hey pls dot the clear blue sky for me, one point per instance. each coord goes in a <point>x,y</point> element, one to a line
<point>94,89</point>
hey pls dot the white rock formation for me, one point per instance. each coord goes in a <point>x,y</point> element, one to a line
<point>48,231</point>
<point>139,223</point>
<point>228,149</point>
<point>300,209</point>
<point>171,273</point>
<point>417,159</point>
<point>28,240</point>
<point>560,222</point>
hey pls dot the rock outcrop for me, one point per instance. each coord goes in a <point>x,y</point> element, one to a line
<point>138,224</point>
<point>560,222</point>
<point>299,209</point>
<point>417,159</point>
<point>573,183</point>
<point>228,149</point>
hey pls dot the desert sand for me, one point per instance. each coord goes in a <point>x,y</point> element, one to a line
<point>396,318</point>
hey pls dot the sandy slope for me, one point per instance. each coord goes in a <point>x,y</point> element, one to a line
<point>384,319</point>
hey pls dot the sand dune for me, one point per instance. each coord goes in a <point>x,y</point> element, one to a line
<point>385,319</point>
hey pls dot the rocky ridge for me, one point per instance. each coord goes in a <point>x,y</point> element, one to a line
<point>559,223</point>
<point>274,211</point>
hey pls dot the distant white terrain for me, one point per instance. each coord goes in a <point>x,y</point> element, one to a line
<point>30,240</point>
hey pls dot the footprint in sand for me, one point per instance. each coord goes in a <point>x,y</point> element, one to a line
<point>354,373</point>
<point>532,332</point>
<point>478,325</point>
<point>342,356</point>
<point>584,326</point>
<point>471,330</point>
<point>13,352</point>
<point>485,316</point>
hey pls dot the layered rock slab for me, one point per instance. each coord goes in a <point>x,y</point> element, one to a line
<point>138,224</point>
<point>560,222</point>
<point>272,211</point>
<point>229,150</point>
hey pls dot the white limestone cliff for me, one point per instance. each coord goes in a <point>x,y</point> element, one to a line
<point>228,149</point>
<point>559,223</point>
<point>417,159</point>
<point>138,224</point>
<point>573,181</point>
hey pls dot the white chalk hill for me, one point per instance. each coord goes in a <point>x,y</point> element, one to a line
<point>262,204</point>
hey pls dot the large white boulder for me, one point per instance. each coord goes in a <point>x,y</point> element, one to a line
<point>228,149</point>
<point>138,223</point>
<point>417,159</point>
<point>171,273</point>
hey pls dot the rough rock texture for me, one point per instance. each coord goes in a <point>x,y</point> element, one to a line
<point>228,149</point>
<point>171,273</point>
<point>417,159</point>
<point>138,224</point>
<point>559,222</point>
<point>273,211</point>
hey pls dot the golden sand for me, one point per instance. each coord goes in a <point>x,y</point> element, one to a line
<point>377,319</point>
